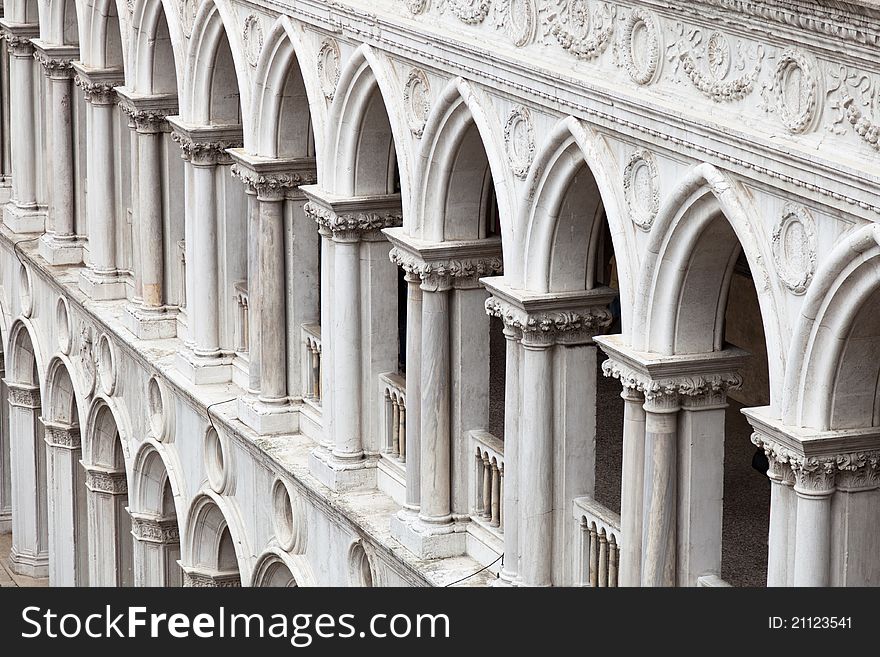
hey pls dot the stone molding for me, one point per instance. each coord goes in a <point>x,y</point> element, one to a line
<point>819,475</point>
<point>205,145</point>
<point>272,179</point>
<point>149,114</point>
<point>355,218</point>
<point>442,265</point>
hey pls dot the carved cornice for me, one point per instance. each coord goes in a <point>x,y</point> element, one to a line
<point>712,387</point>
<point>353,223</point>
<point>155,530</point>
<point>819,475</point>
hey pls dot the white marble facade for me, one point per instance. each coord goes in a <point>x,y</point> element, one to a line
<point>319,293</point>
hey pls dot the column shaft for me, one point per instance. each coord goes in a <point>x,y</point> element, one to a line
<point>62,158</point>
<point>22,129</point>
<point>812,564</point>
<point>151,229</point>
<point>204,318</point>
<point>254,294</point>
<point>632,488</point>
<point>272,317</point>
<point>101,194</point>
<point>413,389</point>
<point>781,507</point>
<point>512,400</point>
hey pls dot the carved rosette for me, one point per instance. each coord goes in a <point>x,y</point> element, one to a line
<point>328,67</point>
<point>641,188</point>
<point>417,101</point>
<point>797,90</point>
<point>252,37</point>
<point>640,46</point>
<point>155,530</point>
<point>712,387</point>
<point>102,481</point>
<point>272,186</point>
<point>204,153</point>
<point>97,93</point>
<point>57,68</point>
<point>550,327</point>
<point>352,225</point>
<point>519,141</point>
<point>438,273</point>
<point>584,28</point>
<point>472,12</point>
<point>794,248</point>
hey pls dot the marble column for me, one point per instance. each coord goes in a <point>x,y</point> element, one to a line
<point>783,507</point>
<point>68,522</point>
<point>536,462</point>
<point>660,499</point>
<point>156,551</point>
<point>30,536</point>
<point>254,292</point>
<point>102,279</point>
<point>110,540</point>
<point>513,385</point>
<point>814,486</point>
<point>632,487</point>
<point>23,214</point>
<point>149,316</point>
<point>413,391</point>
<point>60,245</point>
<point>5,448</point>
<point>205,150</point>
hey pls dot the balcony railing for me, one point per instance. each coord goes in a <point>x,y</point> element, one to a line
<point>393,414</point>
<point>598,553</point>
<point>242,321</point>
<point>311,340</point>
<point>488,482</point>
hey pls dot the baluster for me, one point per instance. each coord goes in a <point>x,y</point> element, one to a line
<point>487,487</point>
<point>603,559</point>
<point>594,556</point>
<point>583,557</point>
<point>317,372</point>
<point>613,553</point>
<point>245,324</point>
<point>496,492</point>
<point>395,426</point>
<point>478,473</point>
<point>501,497</point>
<point>401,435</point>
<point>389,431</point>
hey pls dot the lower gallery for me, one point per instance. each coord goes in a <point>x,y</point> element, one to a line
<point>431,292</point>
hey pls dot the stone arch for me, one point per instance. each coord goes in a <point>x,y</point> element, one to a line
<point>216,78</point>
<point>158,48</point>
<point>215,552</point>
<point>156,507</point>
<point>461,146</point>
<point>706,218</point>
<point>365,124</point>
<point>62,23</point>
<point>102,46</point>
<point>22,11</point>
<point>574,156</point>
<point>68,513</point>
<point>832,376</point>
<point>25,361</point>
<point>111,549</point>
<point>277,568</point>
<point>284,89</point>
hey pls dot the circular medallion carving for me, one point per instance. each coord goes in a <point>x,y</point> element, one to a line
<point>253,39</point>
<point>160,409</point>
<point>579,18</point>
<point>797,93</point>
<point>641,188</point>
<point>217,462</point>
<point>187,9</point>
<point>718,55</point>
<point>26,294</point>
<point>106,364</point>
<point>519,141</point>
<point>62,325</point>
<point>417,101</point>
<point>522,17</point>
<point>640,46</point>
<point>416,6</point>
<point>87,359</point>
<point>288,518</point>
<point>794,247</point>
<point>328,67</point>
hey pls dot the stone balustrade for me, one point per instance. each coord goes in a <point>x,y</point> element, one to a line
<point>311,340</point>
<point>488,482</point>
<point>393,414</point>
<point>598,552</point>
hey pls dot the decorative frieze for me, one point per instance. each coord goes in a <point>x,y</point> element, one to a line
<point>583,27</point>
<point>796,89</point>
<point>470,11</point>
<point>640,43</point>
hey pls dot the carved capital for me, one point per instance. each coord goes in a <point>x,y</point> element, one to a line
<point>204,153</point>
<point>211,580</point>
<point>549,326</point>
<point>695,389</point>
<point>155,530</point>
<point>97,93</point>
<point>62,436</point>
<point>19,45</point>
<point>148,121</point>
<point>437,273</point>
<point>814,476</point>
<point>55,67</point>
<point>858,470</point>
<point>23,396</point>
<point>273,186</point>
<point>351,226</point>
<point>105,481</point>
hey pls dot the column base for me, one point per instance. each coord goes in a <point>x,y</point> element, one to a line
<point>5,189</point>
<point>29,565</point>
<point>6,521</point>
<point>429,541</point>
<point>342,477</point>
<point>150,324</point>
<point>24,220</point>
<point>60,251</point>
<point>101,287</point>
<point>267,420</point>
<point>201,370</point>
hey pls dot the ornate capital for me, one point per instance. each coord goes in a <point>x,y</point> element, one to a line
<point>19,45</point>
<point>204,153</point>
<point>273,186</point>
<point>858,470</point>
<point>814,476</point>
<point>155,530</point>
<point>712,387</point>
<point>148,114</point>
<point>55,67</point>
<point>23,396</point>
<point>146,121</point>
<point>548,326</point>
<point>97,93</point>
<point>196,579</point>
<point>351,226</point>
<point>436,273</point>
<point>105,481</point>
<point>62,436</point>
